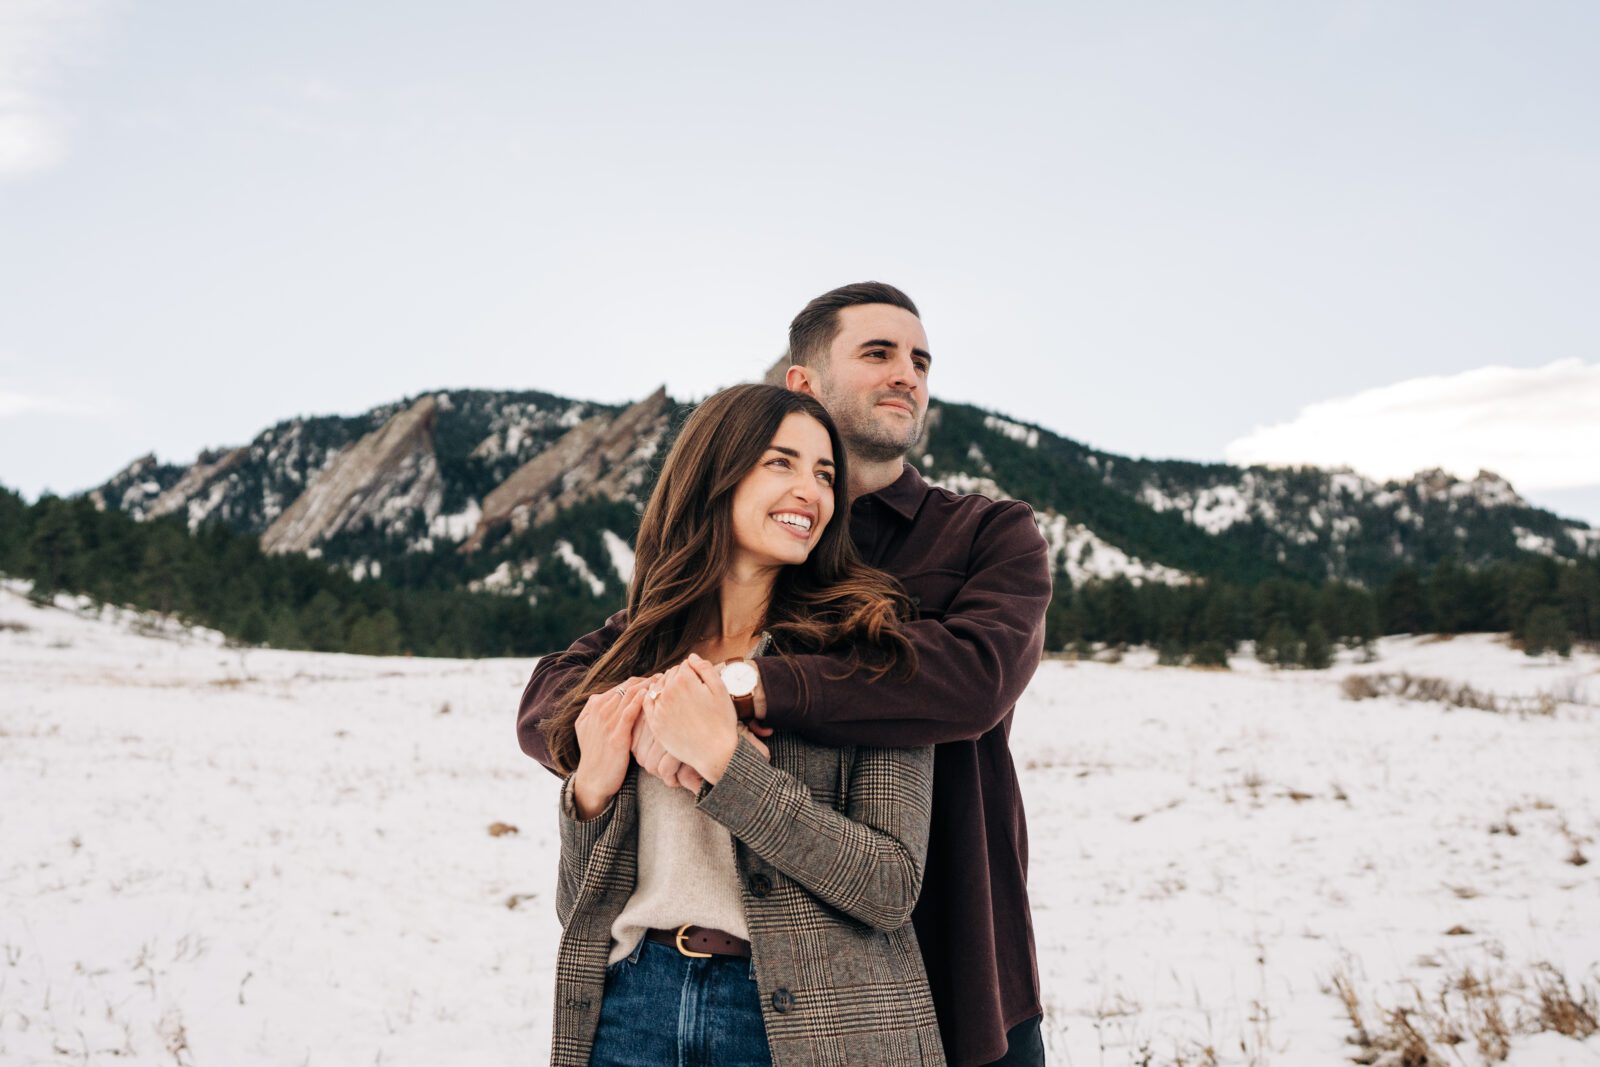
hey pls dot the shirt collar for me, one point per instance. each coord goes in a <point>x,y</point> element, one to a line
<point>904,495</point>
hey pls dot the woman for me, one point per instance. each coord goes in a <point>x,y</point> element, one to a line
<point>766,918</point>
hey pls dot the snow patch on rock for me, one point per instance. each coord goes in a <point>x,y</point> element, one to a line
<point>568,555</point>
<point>621,554</point>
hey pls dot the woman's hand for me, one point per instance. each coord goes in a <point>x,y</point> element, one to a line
<point>693,718</point>
<point>605,737</point>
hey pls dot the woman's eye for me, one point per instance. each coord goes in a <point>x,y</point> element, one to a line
<point>825,478</point>
<point>780,461</point>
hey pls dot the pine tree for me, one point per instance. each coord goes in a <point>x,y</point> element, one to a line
<point>283,629</point>
<point>253,628</point>
<point>376,635</point>
<point>1449,597</point>
<point>1318,655</point>
<point>161,585</point>
<point>1281,647</point>
<point>1405,609</point>
<point>1547,631</point>
<point>56,548</point>
<point>320,623</point>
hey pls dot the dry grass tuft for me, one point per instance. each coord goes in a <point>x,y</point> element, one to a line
<point>1563,1010</point>
<point>500,829</point>
<point>1415,687</point>
<point>1482,1010</point>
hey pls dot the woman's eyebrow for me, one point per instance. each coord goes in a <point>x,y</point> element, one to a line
<point>792,454</point>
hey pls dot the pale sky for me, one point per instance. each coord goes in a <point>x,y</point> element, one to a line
<point>1197,230</point>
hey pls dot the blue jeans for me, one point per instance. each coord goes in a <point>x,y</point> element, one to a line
<point>663,1009</point>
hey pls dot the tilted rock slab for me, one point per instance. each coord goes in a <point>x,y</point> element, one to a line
<point>387,476</point>
<point>193,483</point>
<point>601,456</point>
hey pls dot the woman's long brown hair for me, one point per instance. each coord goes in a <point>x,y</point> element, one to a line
<point>685,546</point>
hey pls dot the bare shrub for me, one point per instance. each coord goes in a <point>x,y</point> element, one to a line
<point>1360,687</point>
<point>1569,1013</point>
<point>1422,689</point>
<point>1487,1009</point>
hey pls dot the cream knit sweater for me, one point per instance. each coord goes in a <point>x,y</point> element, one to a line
<point>686,870</point>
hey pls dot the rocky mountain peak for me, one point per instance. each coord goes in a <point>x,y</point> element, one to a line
<point>388,474</point>
<point>604,455</point>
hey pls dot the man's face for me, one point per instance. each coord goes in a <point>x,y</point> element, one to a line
<point>874,380</point>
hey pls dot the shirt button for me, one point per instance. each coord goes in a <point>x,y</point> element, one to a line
<point>782,1000</point>
<point>760,885</point>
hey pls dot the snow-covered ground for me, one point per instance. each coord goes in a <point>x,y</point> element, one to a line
<point>217,857</point>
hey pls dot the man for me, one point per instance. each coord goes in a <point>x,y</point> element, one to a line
<point>978,573</point>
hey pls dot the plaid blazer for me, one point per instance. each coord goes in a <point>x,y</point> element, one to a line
<point>830,847</point>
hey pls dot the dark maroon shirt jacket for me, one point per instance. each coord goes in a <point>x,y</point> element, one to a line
<point>978,572</point>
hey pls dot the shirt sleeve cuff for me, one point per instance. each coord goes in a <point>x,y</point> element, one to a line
<point>579,833</point>
<point>784,689</point>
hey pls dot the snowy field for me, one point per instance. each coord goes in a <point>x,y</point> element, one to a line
<point>228,858</point>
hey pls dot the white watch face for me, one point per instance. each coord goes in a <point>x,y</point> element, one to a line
<point>739,678</point>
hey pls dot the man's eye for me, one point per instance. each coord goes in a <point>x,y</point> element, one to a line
<point>875,355</point>
<point>922,366</point>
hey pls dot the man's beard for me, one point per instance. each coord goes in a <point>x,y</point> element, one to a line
<point>867,438</point>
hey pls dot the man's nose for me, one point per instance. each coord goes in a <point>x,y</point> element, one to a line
<point>905,374</point>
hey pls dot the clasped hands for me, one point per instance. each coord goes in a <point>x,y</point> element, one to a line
<point>680,726</point>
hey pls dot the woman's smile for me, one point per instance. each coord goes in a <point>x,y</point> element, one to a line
<point>796,523</point>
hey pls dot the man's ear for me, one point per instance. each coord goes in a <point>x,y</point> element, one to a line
<point>798,379</point>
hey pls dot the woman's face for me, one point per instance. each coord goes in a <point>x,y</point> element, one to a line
<point>782,505</point>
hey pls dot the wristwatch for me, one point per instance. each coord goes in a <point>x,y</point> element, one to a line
<point>739,678</point>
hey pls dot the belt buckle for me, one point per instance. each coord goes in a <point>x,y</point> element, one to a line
<point>684,949</point>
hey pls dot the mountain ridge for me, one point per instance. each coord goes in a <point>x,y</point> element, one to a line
<point>473,473</point>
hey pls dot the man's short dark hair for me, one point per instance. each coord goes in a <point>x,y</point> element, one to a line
<point>813,330</point>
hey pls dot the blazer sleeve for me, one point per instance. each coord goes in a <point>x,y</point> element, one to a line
<point>553,675</point>
<point>972,665</point>
<point>578,840</point>
<point>867,861</point>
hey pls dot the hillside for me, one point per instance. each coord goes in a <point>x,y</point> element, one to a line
<point>522,493</point>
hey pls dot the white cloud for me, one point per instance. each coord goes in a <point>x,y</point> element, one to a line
<point>37,38</point>
<point>12,403</point>
<point>1537,427</point>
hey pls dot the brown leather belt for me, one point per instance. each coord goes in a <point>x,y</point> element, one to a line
<point>700,943</point>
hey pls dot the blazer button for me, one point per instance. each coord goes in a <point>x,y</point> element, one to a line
<point>782,1000</point>
<point>760,885</point>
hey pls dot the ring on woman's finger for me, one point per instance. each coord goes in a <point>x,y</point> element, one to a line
<point>620,689</point>
<point>653,693</point>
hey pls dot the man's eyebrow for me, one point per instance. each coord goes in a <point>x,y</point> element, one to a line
<point>792,454</point>
<point>881,343</point>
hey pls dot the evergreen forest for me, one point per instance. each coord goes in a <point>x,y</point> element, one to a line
<point>220,578</point>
